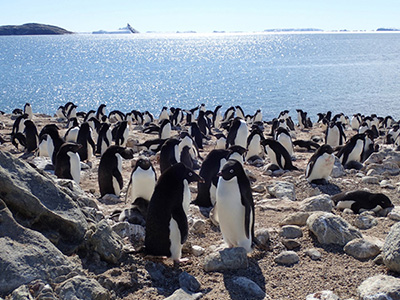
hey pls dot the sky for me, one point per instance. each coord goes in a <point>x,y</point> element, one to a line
<point>203,15</point>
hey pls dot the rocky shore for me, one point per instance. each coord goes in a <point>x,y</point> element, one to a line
<point>60,240</point>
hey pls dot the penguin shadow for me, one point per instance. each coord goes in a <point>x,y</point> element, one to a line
<point>327,188</point>
<point>253,273</point>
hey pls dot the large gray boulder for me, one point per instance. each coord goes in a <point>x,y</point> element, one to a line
<point>317,203</point>
<point>380,287</point>
<point>37,203</point>
<point>391,249</point>
<point>26,255</point>
<point>106,242</point>
<point>282,189</point>
<point>82,288</point>
<point>331,229</point>
<point>227,259</point>
<point>362,249</point>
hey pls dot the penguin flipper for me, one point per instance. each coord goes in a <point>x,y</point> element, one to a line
<point>180,218</point>
<point>118,177</point>
<point>247,201</point>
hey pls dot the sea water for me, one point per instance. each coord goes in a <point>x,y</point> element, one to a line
<point>341,72</point>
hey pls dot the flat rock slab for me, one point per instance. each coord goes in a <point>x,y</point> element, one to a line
<point>331,229</point>
<point>380,287</point>
<point>227,259</point>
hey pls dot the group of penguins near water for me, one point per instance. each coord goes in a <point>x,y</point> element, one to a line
<point>161,203</point>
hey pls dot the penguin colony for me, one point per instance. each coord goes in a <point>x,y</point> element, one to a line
<point>160,202</point>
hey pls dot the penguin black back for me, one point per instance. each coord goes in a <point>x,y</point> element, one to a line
<point>109,169</point>
<point>31,134</point>
<point>168,154</point>
<point>209,170</point>
<point>167,203</point>
<point>358,200</point>
<point>85,139</point>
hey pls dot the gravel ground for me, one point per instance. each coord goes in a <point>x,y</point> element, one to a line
<point>141,277</point>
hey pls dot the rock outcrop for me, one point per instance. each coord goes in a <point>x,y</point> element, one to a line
<point>32,29</point>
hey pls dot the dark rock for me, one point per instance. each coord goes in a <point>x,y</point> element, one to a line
<point>188,282</point>
<point>32,29</point>
<point>82,288</point>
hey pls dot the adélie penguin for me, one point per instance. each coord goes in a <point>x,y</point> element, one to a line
<point>142,180</point>
<point>110,169</point>
<point>166,223</point>
<point>278,154</point>
<point>320,165</point>
<point>359,201</point>
<point>68,165</point>
<point>235,207</point>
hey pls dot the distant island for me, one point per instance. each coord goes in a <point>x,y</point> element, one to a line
<point>32,29</point>
<point>388,29</point>
<point>292,29</point>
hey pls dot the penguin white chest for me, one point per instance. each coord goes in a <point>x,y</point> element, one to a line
<point>143,183</point>
<point>322,167</point>
<point>254,147</point>
<point>75,166</point>
<point>286,142</point>
<point>241,136</point>
<point>333,137</point>
<point>231,214</point>
<point>355,154</point>
<point>272,156</point>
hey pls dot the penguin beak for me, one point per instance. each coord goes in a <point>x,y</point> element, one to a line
<point>201,180</point>
<point>219,174</point>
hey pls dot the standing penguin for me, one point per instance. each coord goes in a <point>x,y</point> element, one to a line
<point>143,180</point>
<point>278,154</point>
<point>166,223</point>
<point>334,135</point>
<point>104,138</point>
<point>197,135</point>
<point>282,135</point>
<point>210,167</point>
<point>320,165</point>
<point>28,111</point>
<point>254,148</point>
<point>217,117</point>
<point>165,131</point>
<point>53,141</point>
<point>235,206</point>
<point>110,170</point>
<point>19,125</point>
<point>68,164</point>
<point>31,135</point>
<point>85,139</point>
<point>169,154</point>
<point>353,149</point>
<point>237,134</point>
<point>121,133</point>
<point>101,112</point>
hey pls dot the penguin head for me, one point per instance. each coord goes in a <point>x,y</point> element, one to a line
<point>70,147</point>
<point>325,149</point>
<point>144,163</point>
<point>382,200</point>
<point>232,168</point>
<point>124,152</point>
<point>189,174</point>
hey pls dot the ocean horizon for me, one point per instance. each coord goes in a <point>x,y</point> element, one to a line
<point>272,71</point>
